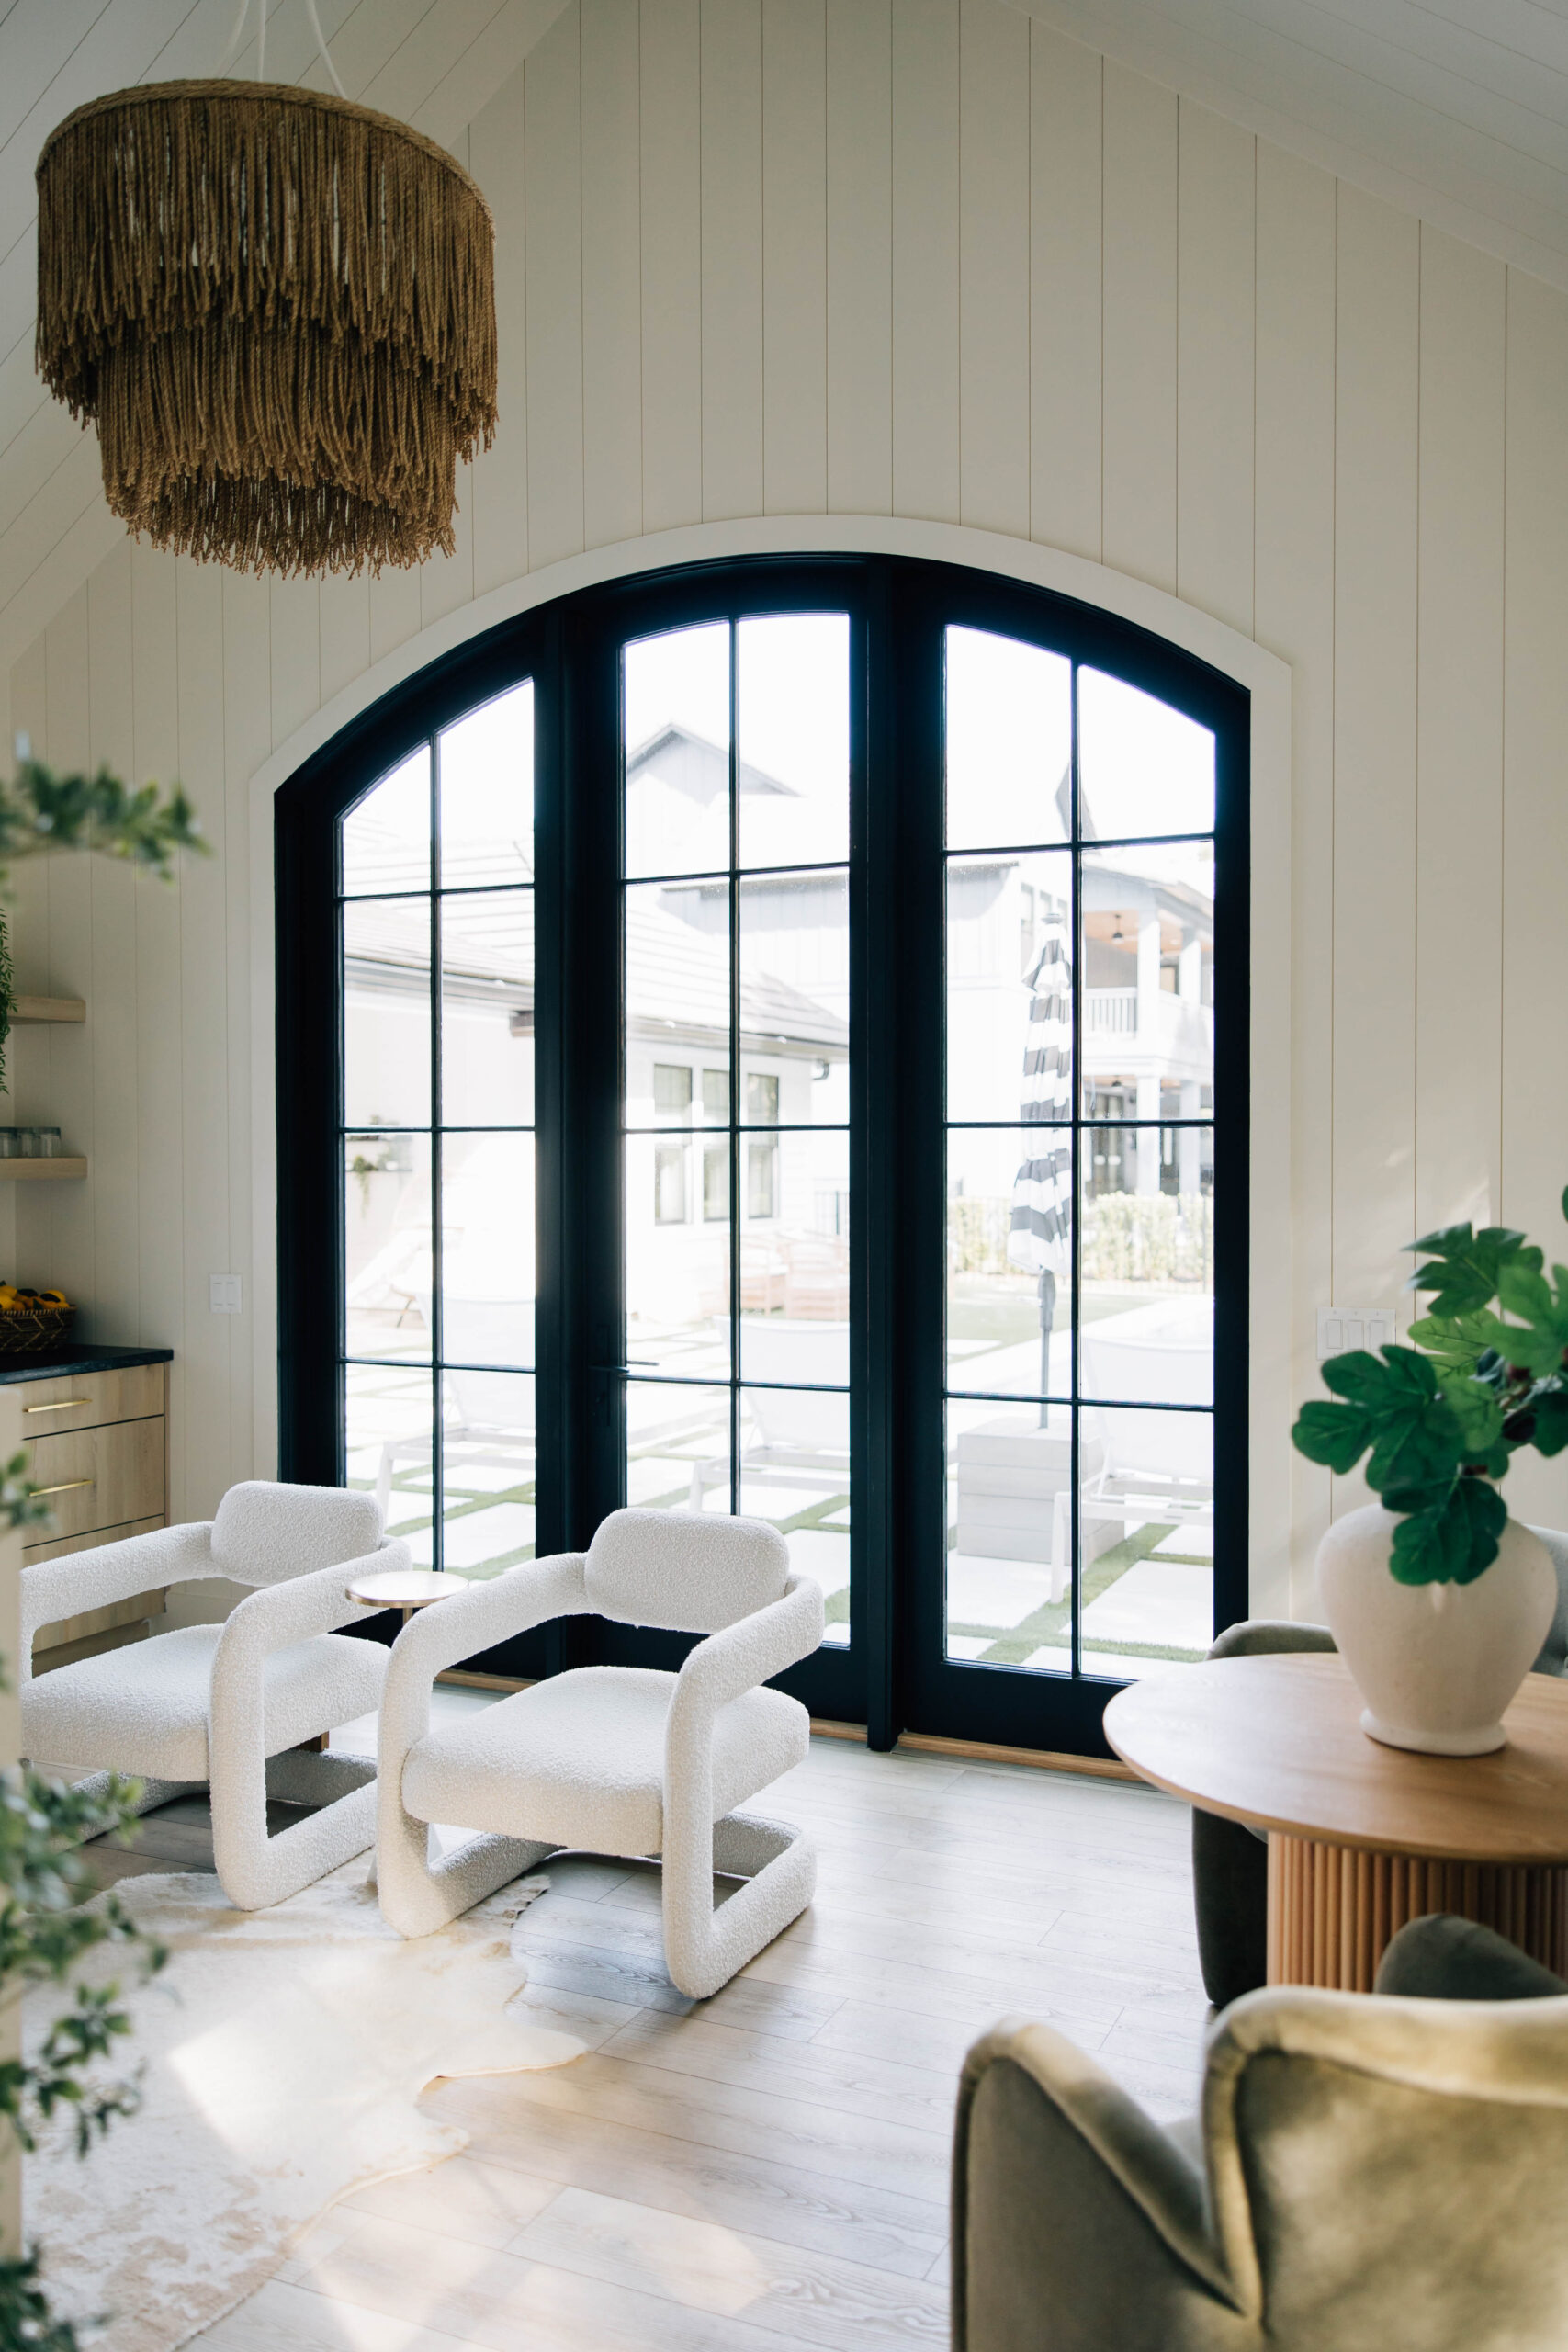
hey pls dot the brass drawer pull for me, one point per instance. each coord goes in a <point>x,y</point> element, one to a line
<point>66,1486</point>
<point>66,1405</point>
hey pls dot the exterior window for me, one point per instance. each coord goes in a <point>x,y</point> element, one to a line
<point>762,1180</point>
<point>670,1184</point>
<point>715,1184</point>
<point>761,1100</point>
<point>672,1087</point>
<point>715,1098</point>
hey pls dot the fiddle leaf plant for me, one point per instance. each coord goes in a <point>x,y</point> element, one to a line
<point>1439,1421</point>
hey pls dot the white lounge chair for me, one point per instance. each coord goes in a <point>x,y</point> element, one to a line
<point>616,1759</point>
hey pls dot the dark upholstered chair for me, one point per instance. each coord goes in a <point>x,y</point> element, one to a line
<point>1229,1862</point>
<point>1372,2173</point>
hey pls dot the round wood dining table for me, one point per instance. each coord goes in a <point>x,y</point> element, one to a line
<point>1361,1837</point>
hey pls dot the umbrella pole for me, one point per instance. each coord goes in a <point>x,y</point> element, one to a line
<point>1047,1317</point>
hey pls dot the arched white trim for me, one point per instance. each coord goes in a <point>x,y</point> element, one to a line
<point>1266,680</point>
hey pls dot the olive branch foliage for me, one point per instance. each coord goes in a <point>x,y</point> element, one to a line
<point>45,1930</point>
<point>46,1926</point>
<point>1439,1421</point>
<point>42,812</point>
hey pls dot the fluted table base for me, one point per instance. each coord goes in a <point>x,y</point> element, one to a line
<point>1333,1909</point>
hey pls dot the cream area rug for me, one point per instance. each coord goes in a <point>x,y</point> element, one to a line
<point>284,2054</point>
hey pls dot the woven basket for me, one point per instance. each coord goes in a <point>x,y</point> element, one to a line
<point>31,1330</point>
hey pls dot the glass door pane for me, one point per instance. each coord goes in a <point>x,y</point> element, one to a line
<point>736,1042</point>
<point>436,927</point>
<point>1079,1247</point>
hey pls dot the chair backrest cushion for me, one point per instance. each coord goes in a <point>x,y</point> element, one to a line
<point>695,1572</point>
<point>266,1533</point>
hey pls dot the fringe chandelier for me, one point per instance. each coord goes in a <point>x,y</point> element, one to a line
<point>279,308</point>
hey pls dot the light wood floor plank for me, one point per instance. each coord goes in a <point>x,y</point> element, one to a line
<point>768,2169</point>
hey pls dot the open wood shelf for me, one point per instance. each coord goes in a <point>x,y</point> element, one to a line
<point>48,1008</point>
<point>27,1171</point>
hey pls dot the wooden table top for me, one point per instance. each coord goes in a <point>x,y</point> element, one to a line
<point>1277,1742</point>
<point>404,1588</point>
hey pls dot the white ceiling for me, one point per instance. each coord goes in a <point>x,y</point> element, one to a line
<point>434,63</point>
<point>1454,108</point>
<point>1457,110</point>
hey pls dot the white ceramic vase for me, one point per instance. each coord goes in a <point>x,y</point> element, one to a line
<point>1438,1663</point>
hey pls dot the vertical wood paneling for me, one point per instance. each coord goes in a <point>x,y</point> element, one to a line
<point>296,648</point>
<point>795,257</point>
<point>994,125</point>
<point>1458,873</point>
<point>65,1227</point>
<point>1138,411</point>
<point>732,257</point>
<point>1374,763</point>
<point>612,275</point>
<point>553,237</point>
<point>1293,559</point>
<point>247,737</point>
<point>500,472</point>
<point>344,623</point>
<point>205,1074</point>
<point>159,1001</point>
<point>859,165</point>
<point>115,1179</point>
<point>1535,837</point>
<point>926,464</point>
<point>1215,271</point>
<point>672,264</point>
<point>446,581</point>
<point>1063,292</point>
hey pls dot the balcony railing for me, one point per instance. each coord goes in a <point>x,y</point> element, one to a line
<point>1111,1013</point>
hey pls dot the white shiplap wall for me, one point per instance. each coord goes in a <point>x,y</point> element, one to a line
<point>935,260</point>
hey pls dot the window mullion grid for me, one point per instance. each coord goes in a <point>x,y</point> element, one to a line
<point>733,1138</point>
<point>437,1272</point>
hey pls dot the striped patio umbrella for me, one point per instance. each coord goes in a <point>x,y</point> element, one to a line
<point>1040,1239</point>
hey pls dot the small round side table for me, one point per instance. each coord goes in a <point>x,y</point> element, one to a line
<point>1362,1837</point>
<point>404,1588</point>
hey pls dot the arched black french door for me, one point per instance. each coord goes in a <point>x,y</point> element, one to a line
<point>773,1037</point>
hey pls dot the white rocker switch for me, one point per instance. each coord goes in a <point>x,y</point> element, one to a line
<point>223,1293</point>
<point>1342,1328</point>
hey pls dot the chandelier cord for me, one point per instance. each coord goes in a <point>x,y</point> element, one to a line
<point>320,44</point>
<point>321,49</point>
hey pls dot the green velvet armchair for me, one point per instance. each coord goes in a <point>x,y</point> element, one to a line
<point>1371,2174</point>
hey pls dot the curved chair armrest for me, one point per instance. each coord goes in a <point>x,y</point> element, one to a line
<point>51,1589</point>
<point>742,1656</point>
<point>451,1630</point>
<point>1507,2053</point>
<point>1110,2128</point>
<point>275,1615</point>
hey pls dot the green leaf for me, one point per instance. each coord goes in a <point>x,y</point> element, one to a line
<point>1475,1408</point>
<point>1453,1543</point>
<point>1454,1342</point>
<point>1550,1411</point>
<point>1465,1267</point>
<point>1335,1435</point>
<point>1390,1383</point>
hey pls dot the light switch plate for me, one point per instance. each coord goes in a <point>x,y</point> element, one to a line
<point>1341,1328</point>
<point>223,1293</point>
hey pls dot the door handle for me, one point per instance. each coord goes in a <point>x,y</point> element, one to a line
<point>66,1405</point>
<point>66,1486</point>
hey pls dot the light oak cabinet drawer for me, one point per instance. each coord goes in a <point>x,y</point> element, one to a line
<point>101,1478</point>
<point>84,1400</point>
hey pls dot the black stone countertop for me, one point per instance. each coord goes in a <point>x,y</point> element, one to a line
<point>61,1362</point>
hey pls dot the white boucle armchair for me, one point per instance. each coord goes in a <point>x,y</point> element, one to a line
<point>223,1706</point>
<point>613,1759</point>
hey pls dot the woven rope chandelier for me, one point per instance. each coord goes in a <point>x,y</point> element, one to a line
<point>279,308</point>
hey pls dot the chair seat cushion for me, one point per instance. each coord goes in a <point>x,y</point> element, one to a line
<point>144,1708</point>
<point>578,1760</point>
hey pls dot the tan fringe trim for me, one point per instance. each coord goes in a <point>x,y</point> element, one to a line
<point>279,306</point>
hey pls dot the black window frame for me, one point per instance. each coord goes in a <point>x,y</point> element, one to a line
<point>895,1675</point>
